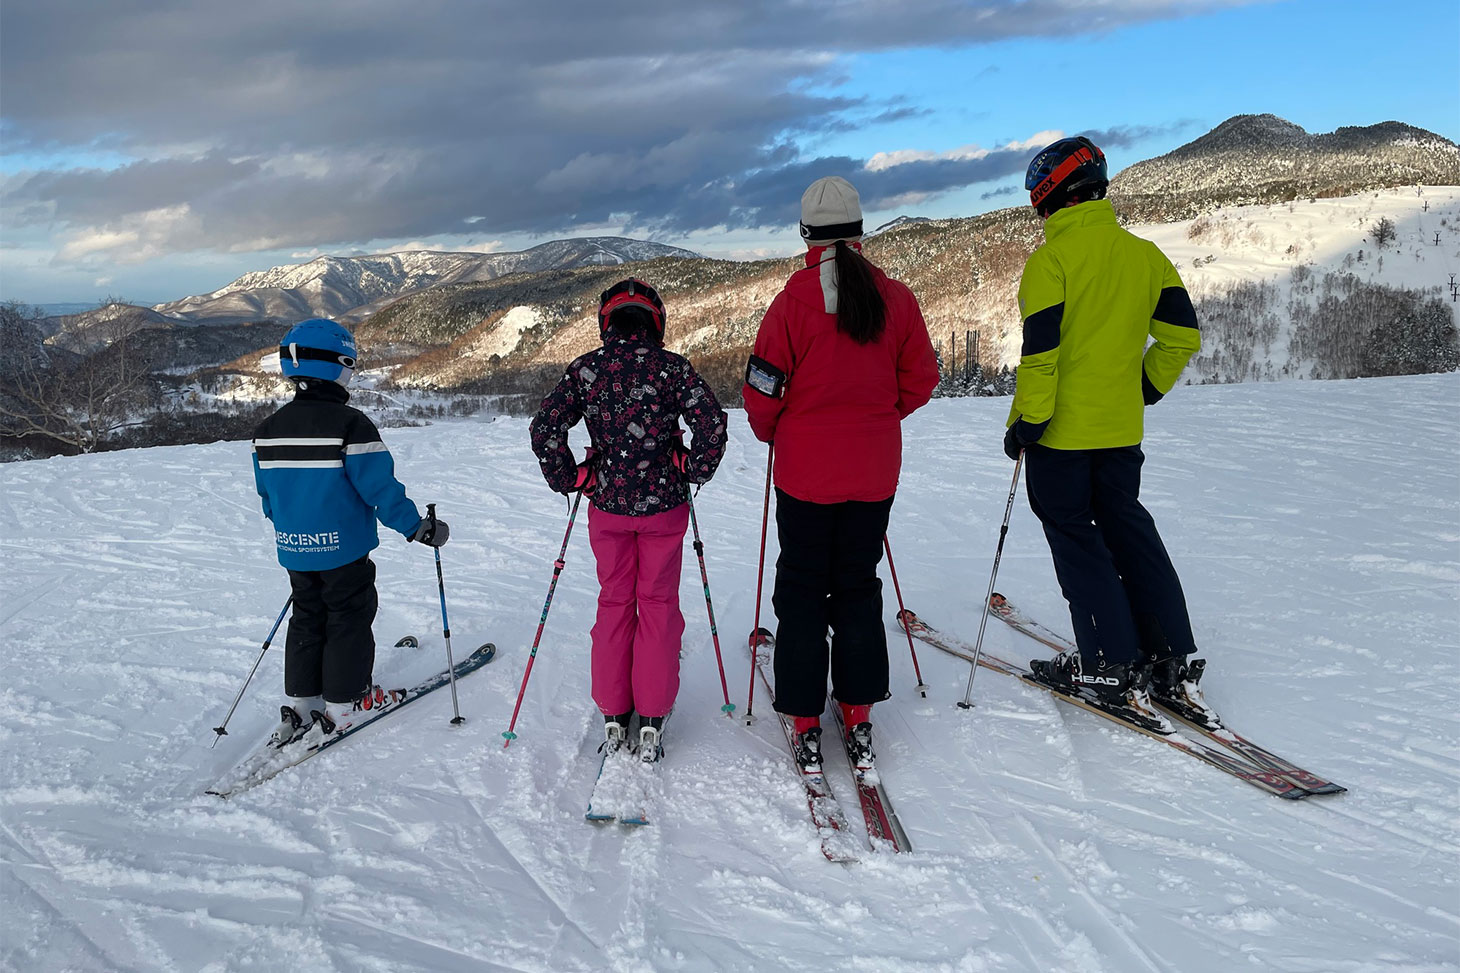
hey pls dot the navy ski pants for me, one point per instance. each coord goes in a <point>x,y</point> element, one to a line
<point>826,575</point>
<point>330,648</point>
<point>1126,602</point>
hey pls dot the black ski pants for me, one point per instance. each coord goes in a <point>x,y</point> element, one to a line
<point>330,648</point>
<point>826,575</point>
<point>1126,602</point>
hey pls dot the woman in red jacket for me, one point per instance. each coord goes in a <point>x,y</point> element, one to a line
<point>841,358</point>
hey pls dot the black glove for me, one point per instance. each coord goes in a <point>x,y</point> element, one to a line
<point>1022,434</point>
<point>430,532</point>
<point>1148,391</point>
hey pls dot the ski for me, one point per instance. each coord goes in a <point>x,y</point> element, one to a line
<point>826,811</point>
<point>621,789</point>
<point>1156,728</point>
<point>1194,712</point>
<point>884,830</point>
<point>266,762</point>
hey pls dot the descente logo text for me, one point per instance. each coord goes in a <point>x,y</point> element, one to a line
<point>307,540</point>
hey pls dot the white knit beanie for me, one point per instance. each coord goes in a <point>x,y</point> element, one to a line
<point>831,210</point>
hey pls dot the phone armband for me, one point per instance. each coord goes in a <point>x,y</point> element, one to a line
<point>765,378</point>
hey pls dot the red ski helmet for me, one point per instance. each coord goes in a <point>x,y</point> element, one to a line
<point>1063,169</point>
<point>631,293</point>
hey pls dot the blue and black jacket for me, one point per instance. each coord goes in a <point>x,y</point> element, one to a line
<point>325,477</point>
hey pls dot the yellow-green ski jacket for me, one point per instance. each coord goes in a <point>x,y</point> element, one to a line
<point>1089,298</point>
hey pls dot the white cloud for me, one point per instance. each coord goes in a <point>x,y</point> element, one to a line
<point>886,160</point>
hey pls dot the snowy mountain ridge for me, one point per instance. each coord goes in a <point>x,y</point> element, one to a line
<point>333,286</point>
<point>1250,159</point>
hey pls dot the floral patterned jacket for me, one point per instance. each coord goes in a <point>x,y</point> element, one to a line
<point>632,395</point>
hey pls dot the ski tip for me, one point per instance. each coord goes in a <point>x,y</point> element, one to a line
<point>408,642</point>
<point>489,649</point>
<point>997,600</point>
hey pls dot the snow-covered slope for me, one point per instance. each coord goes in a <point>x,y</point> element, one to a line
<point>1317,530</point>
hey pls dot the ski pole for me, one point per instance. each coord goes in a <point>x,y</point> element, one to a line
<point>457,719</point>
<point>542,622</point>
<point>729,707</point>
<point>998,553</point>
<point>765,519</point>
<point>222,731</point>
<point>902,617</point>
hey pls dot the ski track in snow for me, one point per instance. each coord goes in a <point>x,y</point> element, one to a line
<point>1316,528</point>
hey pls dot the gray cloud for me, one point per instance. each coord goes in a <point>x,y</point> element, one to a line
<point>275,123</point>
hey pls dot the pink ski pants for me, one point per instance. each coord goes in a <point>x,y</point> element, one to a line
<point>636,639</point>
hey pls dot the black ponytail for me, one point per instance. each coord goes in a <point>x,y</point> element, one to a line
<point>861,313</point>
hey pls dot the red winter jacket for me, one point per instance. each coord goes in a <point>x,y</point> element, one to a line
<point>838,427</point>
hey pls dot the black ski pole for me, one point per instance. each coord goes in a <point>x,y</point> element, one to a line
<point>456,719</point>
<point>729,707</point>
<point>222,731</point>
<point>755,635</point>
<point>983,620</point>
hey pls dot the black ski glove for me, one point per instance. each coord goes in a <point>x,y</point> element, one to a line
<point>1148,391</point>
<point>432,533</point>
<point>1022,434</point>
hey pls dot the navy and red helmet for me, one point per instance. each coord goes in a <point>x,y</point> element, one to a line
<point>626,294</point>
<point>1064,170</point>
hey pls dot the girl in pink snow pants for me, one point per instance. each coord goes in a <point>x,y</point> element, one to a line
<point>631,393</point>
<point>636,638</point>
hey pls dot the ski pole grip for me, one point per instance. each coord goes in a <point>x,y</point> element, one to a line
<point>431,512</point>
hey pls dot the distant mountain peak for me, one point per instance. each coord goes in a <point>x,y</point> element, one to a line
<point>334,286</point>
<point>893,224</point>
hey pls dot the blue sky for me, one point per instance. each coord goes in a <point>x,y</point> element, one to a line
<point>179,147</point>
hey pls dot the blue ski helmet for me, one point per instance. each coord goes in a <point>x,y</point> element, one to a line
<point>318,348</point>
<point>1064,169</point>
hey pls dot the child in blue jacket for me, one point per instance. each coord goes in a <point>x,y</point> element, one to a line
<point>325,477</point>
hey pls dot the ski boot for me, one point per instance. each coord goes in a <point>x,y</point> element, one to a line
<point>859,749</point>
<point>1067,672</point>
<point>1119,689</point>
<point>292,725</point>
<point>615,732</point>
<point>339,717</point>
<point>651,738</point>
<point>808,749</point>
<point>1174,686</point>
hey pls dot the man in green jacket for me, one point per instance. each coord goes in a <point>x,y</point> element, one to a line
<point>1090,297</point>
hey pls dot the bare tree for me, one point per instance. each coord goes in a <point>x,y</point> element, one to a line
<point>76,401</point>
<point>1383,232</point>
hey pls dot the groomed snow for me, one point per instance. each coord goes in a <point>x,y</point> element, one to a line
<point>1317,530</point>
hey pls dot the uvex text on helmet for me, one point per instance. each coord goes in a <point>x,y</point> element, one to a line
<point>1064,170</point>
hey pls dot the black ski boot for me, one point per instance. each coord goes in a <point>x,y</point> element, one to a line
<point>1066,672</point>
<point>651,738</point>
<point>859,748</point>
<point>615,732</point>
<point>808,751</point>
<point>1174,686</point>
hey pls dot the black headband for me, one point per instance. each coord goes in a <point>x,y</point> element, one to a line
<point>832,231</point>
